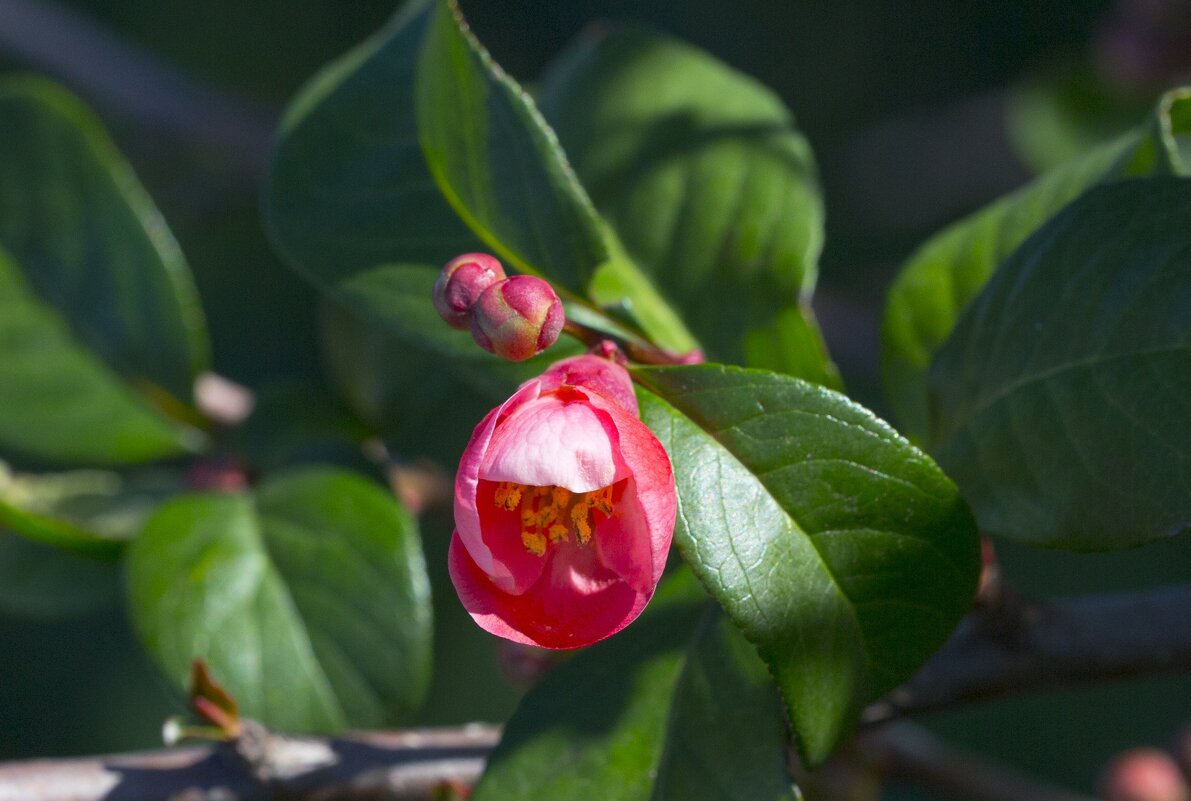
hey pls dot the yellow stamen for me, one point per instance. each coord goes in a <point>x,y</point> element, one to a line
<point>579,513</point>
<point>551,514</point>
<point>534,542</point>
<point>602,499</point>
<point>508,495</point>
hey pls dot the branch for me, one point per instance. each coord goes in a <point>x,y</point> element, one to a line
<point>902,751</point>
<point>1008,648</point>
<point>132,81</point>
<point>1018,646</point>
<point>411,765</point>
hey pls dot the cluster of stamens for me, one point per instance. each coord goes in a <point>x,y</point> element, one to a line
<point>552,514</point>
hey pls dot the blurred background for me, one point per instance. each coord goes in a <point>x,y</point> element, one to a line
<point>918,111</point>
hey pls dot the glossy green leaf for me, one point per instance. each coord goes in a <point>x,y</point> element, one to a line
<point>843,553</point>
<point>349,187</point>
<point>309,599</point>
<point>46,583</point>
<point>947,272</point>
<point>676,708</point>
<point>703,174</point>
<point>497,162</point>
<point>1062,395</point>
<point>92,512</point>
<point>353,206</point>
<point>500,166</point>
<point>90,242</point>
<point>59,402</point>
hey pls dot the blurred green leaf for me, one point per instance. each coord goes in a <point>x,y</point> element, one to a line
<point>92,512</point>
<point>349,187</point>
<point>678,707</point>
<point>308,599</point>
<point>1067,108</point>
<point>843,553</point>
<point>1061,395</point>
<point>947,272</point>
<point>404,398</point>
<point>91,243</point>
<point>706,179</point>
<point>47,583</point>
<point>294,423</point>
<point>59,402</point>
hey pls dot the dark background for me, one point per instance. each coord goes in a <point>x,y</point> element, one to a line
<point>905,104</point>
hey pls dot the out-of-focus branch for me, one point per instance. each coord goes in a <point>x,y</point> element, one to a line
<point>1019,646</point>
<point>1008,648</point>
<point>907,753</point>
<point>413,765</point>
<point>115,73</point>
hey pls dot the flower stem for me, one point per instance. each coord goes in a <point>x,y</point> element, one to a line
<point>636,350</point>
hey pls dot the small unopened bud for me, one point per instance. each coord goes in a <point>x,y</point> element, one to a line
<point>1144,774</point>
<point>461,283</point>
<point>517,318</point>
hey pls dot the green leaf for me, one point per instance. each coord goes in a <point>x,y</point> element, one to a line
<point>90,242</point>
<point>677,707</point>
<point>47,583</point>
<point>59,402</point>
<point>309,599</point>
<point>843,553</point>
<point>349,187</point>
<point>947,272</point>
<point>500,166</point>
<point>417,402</point>
<point>353,206</point>
<point>92,512</point>
<point>1061,398</point>
<point>497,162</point>
<point>702,172</point>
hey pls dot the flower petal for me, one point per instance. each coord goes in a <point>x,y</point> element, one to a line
<point>555,440</point>
<point>655,494</point>
<point>596,374</point>
<point>467,480</point>
<point>568,608</point>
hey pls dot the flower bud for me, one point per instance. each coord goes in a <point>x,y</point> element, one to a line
<point>460,283</point>
<point>517,318</point>
<point>1144,774</point>
<point>564,510</point>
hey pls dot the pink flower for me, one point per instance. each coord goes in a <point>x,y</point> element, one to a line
<point>564,509</point>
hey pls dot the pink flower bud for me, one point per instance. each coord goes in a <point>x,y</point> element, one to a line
<point>564,510</point>
<point>1144,774</point>
<point>517,318</point>
<point>460,284</point>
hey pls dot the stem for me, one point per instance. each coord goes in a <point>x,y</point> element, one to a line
<point>636,350</point>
